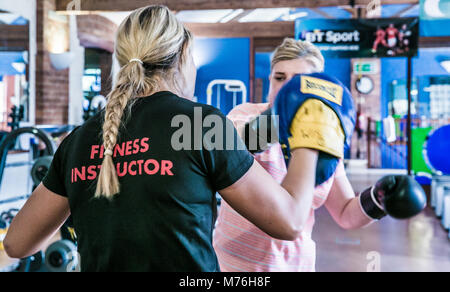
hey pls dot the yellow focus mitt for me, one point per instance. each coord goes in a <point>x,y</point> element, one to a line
<point>317,126</point>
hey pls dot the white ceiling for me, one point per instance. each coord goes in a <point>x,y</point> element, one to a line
<point>203,16</point>
<point>265,15</point>
<point>214,16</point>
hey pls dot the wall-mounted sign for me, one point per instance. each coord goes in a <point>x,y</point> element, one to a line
<point>366,68</point>
<point>361,38</point>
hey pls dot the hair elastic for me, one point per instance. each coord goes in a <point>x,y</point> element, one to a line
<point>136,60</point>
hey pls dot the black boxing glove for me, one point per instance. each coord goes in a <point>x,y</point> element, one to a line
<point>262,132</point>
<point>400,197</point>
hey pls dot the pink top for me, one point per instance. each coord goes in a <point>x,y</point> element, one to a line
<point>241,246</point>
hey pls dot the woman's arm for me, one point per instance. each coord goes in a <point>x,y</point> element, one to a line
<point>37,222</point>
<point>344,207</point>
<point>280,211</point>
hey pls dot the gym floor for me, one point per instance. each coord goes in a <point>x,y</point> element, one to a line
<point>417,245</point>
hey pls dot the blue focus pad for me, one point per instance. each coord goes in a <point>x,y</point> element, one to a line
<point>326,167</point>
<point>332,93</point>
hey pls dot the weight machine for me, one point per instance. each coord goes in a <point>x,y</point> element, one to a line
<point>61,255</point>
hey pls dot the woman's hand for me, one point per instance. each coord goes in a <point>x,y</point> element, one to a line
<point>245,113</point>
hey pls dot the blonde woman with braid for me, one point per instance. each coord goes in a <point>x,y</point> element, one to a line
<point>139,202</point>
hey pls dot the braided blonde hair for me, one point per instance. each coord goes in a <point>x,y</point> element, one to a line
<point>292,49</point>
<point>151,47</point>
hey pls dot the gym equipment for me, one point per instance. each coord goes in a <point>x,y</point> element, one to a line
<point>5,221</point>
<point>94,106</point>
<point>424,178</point>
<point>446,209</point>
<point>8,216</point>
<point>3,231</point>
<point>8,143</point>
<point>35,263</point>
<point>332,94</point>
<point>234,86</point>
<point>2,135</point>
<point>439,197</point>
<point>41,165</point>
<point>435,153</point>
<point>436,150</point>
<point>10,139</point>
<point>17,115</point>
<point>389,129</point>
<point>40,169</point>
<point>57,131</point>
<point>400,197</point>
<point>419,136</point>
<point>308,99</point>
<point>62,256</point>
<point>437,184</point>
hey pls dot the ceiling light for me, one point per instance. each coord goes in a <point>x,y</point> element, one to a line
<point>265,15</point>
<point>61,61</point>
<point>203,16</point>
<point>232,15</point>
<point>292,17</point>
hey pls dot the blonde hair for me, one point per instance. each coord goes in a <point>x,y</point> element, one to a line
<point>151,47</point>
<point>292,49</point>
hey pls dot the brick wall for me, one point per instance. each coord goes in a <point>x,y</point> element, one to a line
<point>52,86</point>
<point>95,31</point>
<point>14,37</point>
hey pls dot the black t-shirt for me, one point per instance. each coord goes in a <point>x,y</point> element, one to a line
<point>164,216</point>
